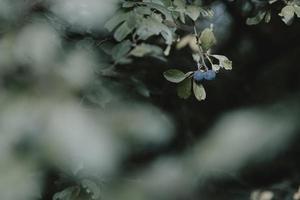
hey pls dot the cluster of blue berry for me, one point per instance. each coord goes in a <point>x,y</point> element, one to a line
<point>204,75</point>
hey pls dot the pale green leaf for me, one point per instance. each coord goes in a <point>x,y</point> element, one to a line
<point>146,49</point>
<point>162,9</point>
<point>174,75</point>
<point>193,12</point>
<point>167,35</point>
<point>180,8</point>
<point>122,32</point>
<point>297,10</point>
<point>120,50</point>
<point>216,67</point>
<point>268,16</point>
<point>167,3</point>
<point>167,50</point>
<point>188,74</point>
<point>256,19</point>
<point>207,39</point>
<point>179,4</point>
<point>124,61</point>
<point>287,13</point>
<point>116,20</point>
<point>159,2</point>
<point>184,89</point>
<point>128,4</point>
<point>91,188</point>
<point>224,62</point>
<point>196,57</point>
<point>143,10</point>
<point>140,87</point>
<point>150,26</point>
<point>272,1</point>
<point>132,20</point>
<point>69,193</point>
<point>199,91</point>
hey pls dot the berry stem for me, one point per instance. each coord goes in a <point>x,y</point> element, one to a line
<point>203,61</point>
<point>196,33</point>
<point>208,58</point>
<point>198,65</point>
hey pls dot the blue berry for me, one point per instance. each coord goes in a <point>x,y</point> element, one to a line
<point>198,75</point>
<point>209,75</point>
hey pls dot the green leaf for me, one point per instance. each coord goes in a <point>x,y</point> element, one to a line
<point>124,61</point>
<point>120,50</point>
<point>167,50</point>
<point>188,74</point>
<point>184,89</point>
<point>180,8</point>
<point>174,75</point>
<point>297,10</point>
<point>256,19</point>
<point>160,2</point>
<point>133,20</point>
<point>193,12</point>
<point>69,193</point>
<point>107,48</point>
<point>168,36</point>
<point>122,32</point>
<point>207,39</point>
<point>143,10</point>
<point>287,13</point>
<point>162,9</point>
<point>224,62</point>
<point>199,91</point>
<point>268,16</point>
<point>91,188</point>
<point>128,4</point>
<point>179,3</point>
<point>272,1</point>
<point>196,57</point>
<point>167,3</point>
<point>140,87</point>
<point>146,49</point>
<point>216,67</point>
<point>116,20</point>
<point>152,26</point>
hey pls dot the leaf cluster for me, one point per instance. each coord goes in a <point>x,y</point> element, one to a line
<point>288,12</point>
<point>139,22</point>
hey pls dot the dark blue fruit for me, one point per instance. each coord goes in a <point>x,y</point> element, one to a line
<point>209,75</point>
<point>198,76</point>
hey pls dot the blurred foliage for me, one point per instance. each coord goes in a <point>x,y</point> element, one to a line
<point>86,111</point>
